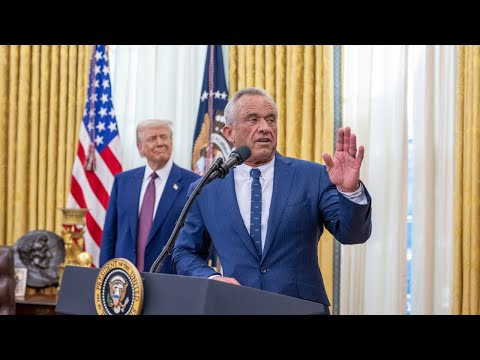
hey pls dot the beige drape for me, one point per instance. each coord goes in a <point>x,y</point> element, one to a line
<point>42,96</point>
<point>300,79</point>
<point>467,184</point>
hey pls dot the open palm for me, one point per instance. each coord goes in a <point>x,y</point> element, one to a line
<point>344,169</point>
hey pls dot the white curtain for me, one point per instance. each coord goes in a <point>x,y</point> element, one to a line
<point>433,118</point>
<point>373,275</point>
<point>157,81</point>
<point>385,89</point>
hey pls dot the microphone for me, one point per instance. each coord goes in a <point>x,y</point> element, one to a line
<point>237,157</point>
<point>218,169</point>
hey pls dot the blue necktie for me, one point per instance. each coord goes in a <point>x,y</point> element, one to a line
<point>256,211</point>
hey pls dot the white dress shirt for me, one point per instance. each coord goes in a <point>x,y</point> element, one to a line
<point>243,184</point>
<point>160,182</point>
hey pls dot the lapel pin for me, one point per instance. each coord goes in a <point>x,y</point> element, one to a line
<point>175,186</point>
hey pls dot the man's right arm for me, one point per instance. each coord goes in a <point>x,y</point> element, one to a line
<point>109,235</point>
<point>192,245</point>
<point>348,221</point>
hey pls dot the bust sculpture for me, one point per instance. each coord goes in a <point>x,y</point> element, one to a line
<point>41,252</point>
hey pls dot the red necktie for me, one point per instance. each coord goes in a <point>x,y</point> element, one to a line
<point>145,221</point>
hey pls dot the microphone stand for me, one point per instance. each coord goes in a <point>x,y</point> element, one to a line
<point>167,249</point>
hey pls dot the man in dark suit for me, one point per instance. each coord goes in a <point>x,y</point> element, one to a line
<point>146,202</point>
<point>266,216</point>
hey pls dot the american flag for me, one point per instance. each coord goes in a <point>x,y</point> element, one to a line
<point>98,154</point>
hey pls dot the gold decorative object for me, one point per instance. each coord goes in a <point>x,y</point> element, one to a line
<point>72,234</point>
<point>84,259</point>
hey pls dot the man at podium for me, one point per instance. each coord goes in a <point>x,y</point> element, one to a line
<point>266,216</point>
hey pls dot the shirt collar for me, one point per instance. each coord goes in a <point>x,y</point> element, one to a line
<point>243,171</point>
<point>162,173</point>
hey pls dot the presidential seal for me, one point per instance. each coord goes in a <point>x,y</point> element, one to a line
<point>118,289</point>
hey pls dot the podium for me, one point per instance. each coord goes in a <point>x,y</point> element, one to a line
<point>182,295</point>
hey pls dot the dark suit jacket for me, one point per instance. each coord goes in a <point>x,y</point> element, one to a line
<point>119,237</point>
<point>303,202</point>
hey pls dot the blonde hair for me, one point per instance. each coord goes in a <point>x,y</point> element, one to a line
<point>153,123</point>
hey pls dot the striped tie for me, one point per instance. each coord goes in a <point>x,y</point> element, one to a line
<point>256,211</point>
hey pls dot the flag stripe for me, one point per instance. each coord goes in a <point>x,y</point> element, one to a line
<point>86,197</point>
<point>106,176</point>
<point>92,225</point>
<point>116,149</point>
<point>93,181</point>
<point>91,246</point>
<point>111,161</point>
<point>94,229</point>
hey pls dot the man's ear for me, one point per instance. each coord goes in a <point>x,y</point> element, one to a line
<point>228,133</point>
<point>140,150</point>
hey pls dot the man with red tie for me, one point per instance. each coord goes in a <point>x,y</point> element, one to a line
<point>146,202</point>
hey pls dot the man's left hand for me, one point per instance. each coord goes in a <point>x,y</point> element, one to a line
<point>344,169</point>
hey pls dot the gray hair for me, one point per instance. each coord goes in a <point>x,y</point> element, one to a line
<point>153,123</point>
<point>231,110</point>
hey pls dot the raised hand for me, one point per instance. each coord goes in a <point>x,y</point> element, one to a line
<point>344,169</point>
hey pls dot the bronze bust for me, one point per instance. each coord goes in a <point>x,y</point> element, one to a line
<point>41,252</point>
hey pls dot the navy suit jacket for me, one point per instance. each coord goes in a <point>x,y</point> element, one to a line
<point>303,201</point>
<point>119,238</point>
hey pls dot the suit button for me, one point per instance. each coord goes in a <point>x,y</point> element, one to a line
<point>263,270</point>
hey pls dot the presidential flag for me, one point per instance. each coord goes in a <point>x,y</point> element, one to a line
<point>98,153</point>
<point>208,140</point>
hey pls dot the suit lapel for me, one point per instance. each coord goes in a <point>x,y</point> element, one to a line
<point>170,193</point>
<point>135,183</point>
<point>282,182</point>
<point>229,197</point>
